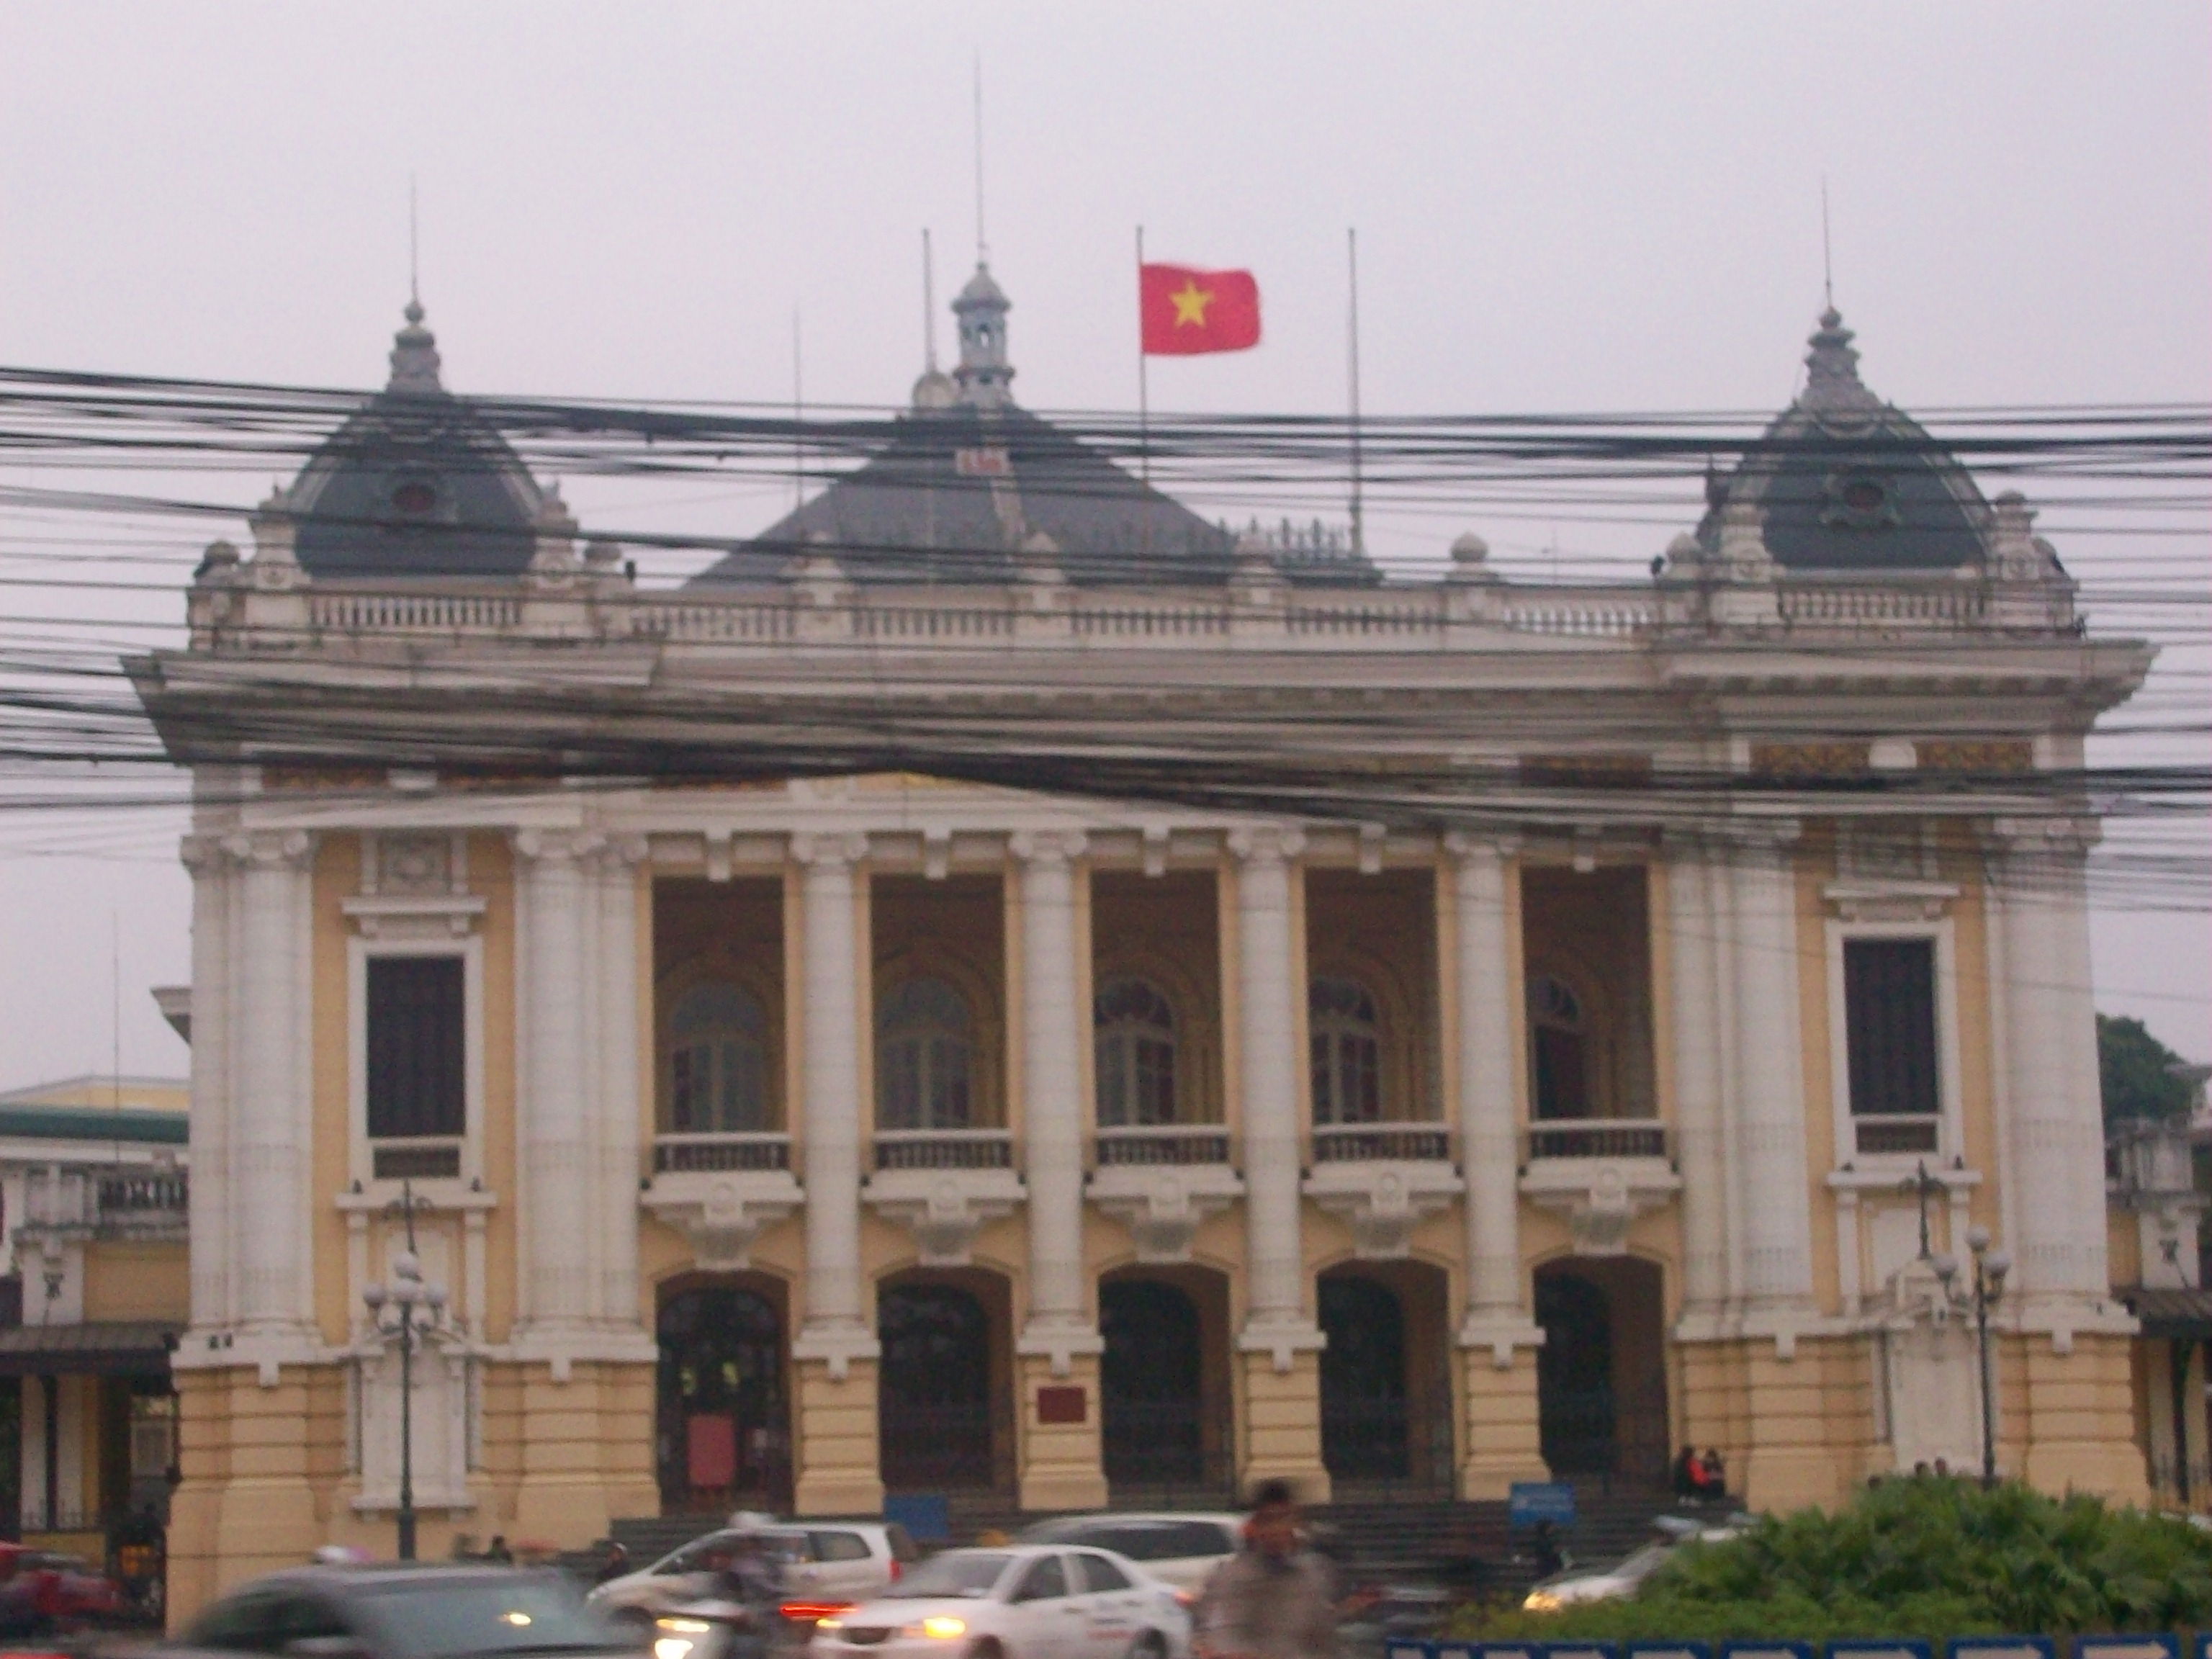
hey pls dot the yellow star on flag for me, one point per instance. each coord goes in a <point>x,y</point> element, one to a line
<point>1190,303</point>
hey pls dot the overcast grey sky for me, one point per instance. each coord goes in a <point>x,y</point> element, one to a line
<point>1595,207</point>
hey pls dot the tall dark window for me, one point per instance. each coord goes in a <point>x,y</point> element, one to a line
<point>417,1047</point>
<point>1889,1013</point>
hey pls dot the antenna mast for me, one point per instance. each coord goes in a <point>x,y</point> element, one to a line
<point>1827,257</point>
<point>414,247</point>
<point>928,304</point>
<point>1358,515</point>
<point>982,242</point>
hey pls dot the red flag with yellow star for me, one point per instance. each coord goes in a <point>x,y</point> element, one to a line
<point>1185,312</point>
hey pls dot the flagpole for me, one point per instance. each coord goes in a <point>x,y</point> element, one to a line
<point>1351,256</point>
<point>1144,406</point>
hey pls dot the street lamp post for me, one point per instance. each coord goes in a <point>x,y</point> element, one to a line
<point>1990,1267</point>
<point>392,1310</point>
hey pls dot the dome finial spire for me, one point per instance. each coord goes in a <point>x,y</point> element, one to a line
<point>984,374</point>
<point>1832,378</point>
<point>414,354</point>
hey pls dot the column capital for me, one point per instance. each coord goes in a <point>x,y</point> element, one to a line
<point>836,847</point>
<point>618,854</point>
<point>1061,847</point>
<point>1473,847</point>
<point>556,846</point>
<point>271,850</point>
<point>1267,843</point>
<point>1765,835</point>
<point>2055,837</point>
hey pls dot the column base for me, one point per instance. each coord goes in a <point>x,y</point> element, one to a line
<point>1282,1423</point>
<point>2080,1420</point>
<point>1502,1442</point>
<point>839,1466</point>
<point>1060,1461</point>
<point>586,1440</point>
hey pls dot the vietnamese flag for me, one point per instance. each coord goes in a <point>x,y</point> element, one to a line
<point>1185,312</point>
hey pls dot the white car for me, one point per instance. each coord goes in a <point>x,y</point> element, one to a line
<point>826,1564</point>
<point>1626,1576</point>
<point>1027,1601</point>
<point>1182,1548</point>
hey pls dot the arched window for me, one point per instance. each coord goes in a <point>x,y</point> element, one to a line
<point>922,1075</point>
<point>1559,1048</point>
<point>717,1070</point>
<point>1347,1053</point>
<point>1136,1044</point>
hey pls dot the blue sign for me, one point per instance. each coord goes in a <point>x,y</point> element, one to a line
<point>2126,1647</point>
<point>1766,1650</point>
<point>2002,1647</point>
<point>1531,1501</point>
<point>1580,1650</point>
<point>1901,1648</point>
<point>1403,1647</point>
<point>1668,1651</point>
<point>1508,1651</point>
<point>927,1515</point>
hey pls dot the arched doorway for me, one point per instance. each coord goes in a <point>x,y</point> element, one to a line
<point>934,1413</point>
<point>723,1431</point>
<point>1150,1384</point>
<point>1363,1379</point>
<point>1601,1374</point>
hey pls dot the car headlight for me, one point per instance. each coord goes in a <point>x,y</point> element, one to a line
<point>939,1627</point>
<point>683,1626</point>
<point>1541,1601</point>
<point>672,1647</point>
<point>831,1623</point>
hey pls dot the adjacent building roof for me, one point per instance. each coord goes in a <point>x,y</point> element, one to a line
<point>149,1111</point>
<point>105,1093</point>
<point>1846,482</point>
<point>2177,1314</point>
<point>416,484</point>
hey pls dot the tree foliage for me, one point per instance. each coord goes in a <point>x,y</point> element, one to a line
<point>1922,1557</point>
<point>2135,1069</point>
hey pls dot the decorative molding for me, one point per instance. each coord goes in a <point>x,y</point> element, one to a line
<point>723,1211</point>
<point>1163,1205</point>
<point>1382,1201</point>
<point>1601,1197</point>
<point>943,1209</point>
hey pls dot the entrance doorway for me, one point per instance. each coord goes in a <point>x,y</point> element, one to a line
<point>1386,1415</point>
<point>936,1415</point>
<point>723,1434</point>
<point>1601,1374</point>
<point>1164,1422</point>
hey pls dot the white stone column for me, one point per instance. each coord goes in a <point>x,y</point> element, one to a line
<point>2051,1079</point>
<point>1053,1029</point>
<point>270,1148</point>
<point>555,1143</point>
<point>1484,1063</point>
<point>1775,1202</point>
<point>212,1104</point>
<point>1696,1015</point>
<point>1271,978</point>
<point>838,1328</point>
<point>620,1046</point>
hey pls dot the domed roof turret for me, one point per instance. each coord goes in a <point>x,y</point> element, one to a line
<point>985,376</point>
<point>417,484</point>
<point>1845,481</point>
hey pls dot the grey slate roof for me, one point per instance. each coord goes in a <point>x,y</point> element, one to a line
<point>1846,482</point>
<point>416,484</point>
<point>927,508</point>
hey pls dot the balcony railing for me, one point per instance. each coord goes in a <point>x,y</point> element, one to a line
<point>1374,1143</point>
<point>438,1160</point>
<point>165,1191</point>
<point>689,1154</point>
<point>1156,1143</point>
<point>1598,1137</point>
<point>1895,1134</point>
<point>944,1149</point>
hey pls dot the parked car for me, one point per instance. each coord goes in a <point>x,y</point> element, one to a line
<point>1183,1549</point>
<point>1026,1601</point>
<point>828,1565</point>
<point>406,1612</point>
<point>1626,1576</point>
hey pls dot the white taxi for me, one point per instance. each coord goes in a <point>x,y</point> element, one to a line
<point>1028,1602</point>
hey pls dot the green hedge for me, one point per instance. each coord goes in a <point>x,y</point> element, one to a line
<point>1921,1557</point>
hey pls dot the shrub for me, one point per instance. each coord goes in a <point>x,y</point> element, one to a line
<point>1921,1557</point>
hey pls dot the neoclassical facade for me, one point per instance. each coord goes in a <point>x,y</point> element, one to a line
<point>792,1134</point>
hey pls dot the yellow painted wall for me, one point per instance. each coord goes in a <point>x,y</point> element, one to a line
<point>128,1280</point>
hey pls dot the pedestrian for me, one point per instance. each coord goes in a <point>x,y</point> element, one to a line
<point>1689,1475</point>
<point>1716,1473</point>
<point>497,1550</point>
<point>1943,1468</point>
<point>616,1565</point>
<point>1544,1544</point>
<point>1274,1598</point>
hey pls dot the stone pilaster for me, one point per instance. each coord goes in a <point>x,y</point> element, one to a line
<point>1279,1341</point>
<point>214,890</point>
<point>1060,1467</point>
<point>1497,1337</point>
<point>554,1142</point>
<point>1697,1012</point>
<point>835,1349</point>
